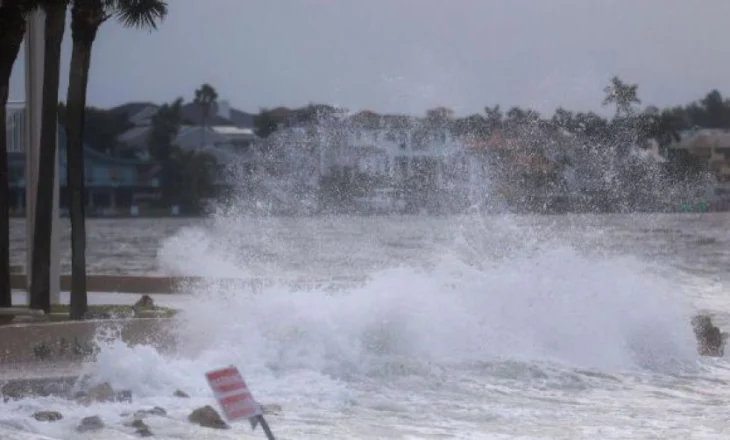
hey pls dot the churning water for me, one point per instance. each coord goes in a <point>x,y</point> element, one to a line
<point>500,328</point>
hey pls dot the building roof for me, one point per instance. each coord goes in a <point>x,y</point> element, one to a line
<point>191,114</point>
<point>133,134</point>
<point>93,154</point>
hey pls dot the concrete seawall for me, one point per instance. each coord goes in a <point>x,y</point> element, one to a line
<point>75,341</point>
<point>49,359</point>
<point>168,284</point>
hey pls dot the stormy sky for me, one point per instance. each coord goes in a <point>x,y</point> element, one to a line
<point>410,55</point>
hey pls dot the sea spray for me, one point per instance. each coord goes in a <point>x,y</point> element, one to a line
<point>555,305</point>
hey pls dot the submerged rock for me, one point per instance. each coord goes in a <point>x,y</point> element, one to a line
<point>144,432</point>
<point>47,416</point>
<point>141,427</point>
<point>92,423</point>
<point>181,394</point>
<point>207,417</point>
<point>710,341</point>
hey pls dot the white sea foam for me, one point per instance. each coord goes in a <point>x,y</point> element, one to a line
<point>525,336</point>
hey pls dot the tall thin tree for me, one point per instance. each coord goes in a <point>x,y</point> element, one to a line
<point>205,97</point>
<point>12,31</point>
<point>40,284</point>
<point>86,18</point>
<point>623,95</point>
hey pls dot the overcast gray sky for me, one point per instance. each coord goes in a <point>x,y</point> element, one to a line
<point>410,55</point>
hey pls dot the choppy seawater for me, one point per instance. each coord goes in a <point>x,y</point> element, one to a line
<point>466,327</point>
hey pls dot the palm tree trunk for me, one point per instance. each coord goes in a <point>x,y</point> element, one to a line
<point>83,31</point>
<point>40,286</point>
<point>12,31</point>
<point>203,120</point>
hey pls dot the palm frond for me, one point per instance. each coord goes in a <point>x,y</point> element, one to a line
<point>143,14</point>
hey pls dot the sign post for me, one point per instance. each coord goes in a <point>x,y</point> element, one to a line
<point>234,397</point>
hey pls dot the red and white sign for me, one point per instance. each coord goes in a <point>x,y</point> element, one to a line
<point>232,394</point>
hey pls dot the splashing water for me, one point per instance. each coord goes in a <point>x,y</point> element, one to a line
<point>479,333</point>
<point>546,304</point>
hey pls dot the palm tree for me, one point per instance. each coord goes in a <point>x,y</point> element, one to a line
<point>86,18</point>
<point>205,96</point>
<point>623,95</point>
<point>40,282</point>
<point>12,32</point>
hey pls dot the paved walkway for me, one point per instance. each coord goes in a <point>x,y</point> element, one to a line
<point>174,301</point>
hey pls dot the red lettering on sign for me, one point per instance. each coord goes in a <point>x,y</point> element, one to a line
<point>239,406</point>
<point>226,381</point>
<point>232,394</point>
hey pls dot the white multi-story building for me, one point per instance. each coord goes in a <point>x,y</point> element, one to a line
<point>393,154</point>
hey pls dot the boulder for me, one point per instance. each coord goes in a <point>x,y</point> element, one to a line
<point>181,394</point>
<point>103,393</point>
<point>710,341</point>
<point>47,416</point>
<point>207,417</point>
<point>141,428</point>
<point>92,423</point>
<point>145,302</point>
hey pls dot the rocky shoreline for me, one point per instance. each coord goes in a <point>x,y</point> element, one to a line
<point>79,390</point>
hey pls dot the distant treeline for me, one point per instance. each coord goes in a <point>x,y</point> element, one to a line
<point>593,145</point>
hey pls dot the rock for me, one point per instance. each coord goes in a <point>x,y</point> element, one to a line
<point>144,432</point>
<point>142,429</point>
<point>47,416</point>
<point>137,423</point>
<point>181,394</point>
<point>271,408</point>
<point>207,417</point>
<point>710,341</point>
<point>103,393</point>
<point>92,423</point>
<point>146,302</point>
<point>156,411</point>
